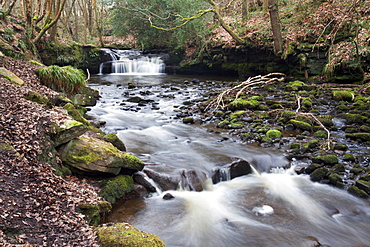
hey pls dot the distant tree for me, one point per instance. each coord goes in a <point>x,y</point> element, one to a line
<point>275,25</point>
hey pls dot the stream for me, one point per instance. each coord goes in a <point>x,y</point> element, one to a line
<point>271,207</point>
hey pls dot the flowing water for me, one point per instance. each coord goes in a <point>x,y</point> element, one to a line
<point>272,207</point>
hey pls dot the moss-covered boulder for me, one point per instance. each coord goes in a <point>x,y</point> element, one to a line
<point>274,134</point>
<point>94,212</point>
<point>73,112</point>
<point>38,98</point>
<point>343,95</point>
<point>242,104</point>
<point>92,155</point>
<point>354,190</point>
<point>113,138</point>
<point>364,137</point>
<point>301,125</point>
<point>67,131</point>
<point>86,97</point>
<point>123,234</point>
<point>115,188</point>
<point>319,174</point>
<point>328,159</point>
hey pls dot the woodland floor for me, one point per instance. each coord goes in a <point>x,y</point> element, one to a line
<point>37,207</point>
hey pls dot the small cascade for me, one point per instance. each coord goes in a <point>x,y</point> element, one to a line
<point>131,62</point>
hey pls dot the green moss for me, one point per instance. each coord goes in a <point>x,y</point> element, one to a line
<point>328,159</point>
<point>132,162</point>
<point>38,98</point>
<point>365,137</point>
<point>357,169</point>
<point>115,188</point>
<point>326,120</point>
<point>354,190</point>
<point>294,85</point>
<point>313,144</point>
<point>344,95</point>
<point>335,180</point>
<point>287,115</point>
<point>352,118</point>
<point>93,212</point>
<point>241,104</point>
<point>36,63</point>
<point>72,111</point>
<point>237,114</point>
<point>274,134</point>
<point>113,138</point>
<point>339,168</point>
<point>321,134</point>
<point>307,102</point>
<point>125,235</point>
<point>188,120</point>
<point>295,145</point>
<point>341,146</point>
<point>349,157</point>
<point>223,124</point>
<point>319,174</point>
<point>301,125</point>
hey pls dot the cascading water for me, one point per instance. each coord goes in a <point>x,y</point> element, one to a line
<point>275,207</point>
<point>132,62</point>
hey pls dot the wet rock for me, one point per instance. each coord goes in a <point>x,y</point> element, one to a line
<point>123,234</point>
<point>113,138</point>
<point>235,169</point>
<point>94,212</point>
<point>363,185</point>
<point>319,174</point>
<point>165,182</point>
<point>354,190</point>
<point>193,180</point>
<point>328,159</point>
<point>11,76</point>
<point>141,179</point>
<point>364,137</point>
<point>168,196</point>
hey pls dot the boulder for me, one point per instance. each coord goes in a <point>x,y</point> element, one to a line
<point>141,179</point>
<point>92,155</point>
<point>123,234</point>
<point>69,130</point>
<point>193,180</point>
<point>235,169</point>
<point>115,188</point>
<point>11,76</point>
<point>164,181</point>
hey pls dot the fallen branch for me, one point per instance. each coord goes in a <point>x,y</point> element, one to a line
<point>311,116</point>
<point>245,86</point>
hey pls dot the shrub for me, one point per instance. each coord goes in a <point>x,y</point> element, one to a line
<point>65,79</point>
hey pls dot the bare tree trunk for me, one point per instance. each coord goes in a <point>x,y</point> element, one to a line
<point>245,9</point>
<point>275,25</point>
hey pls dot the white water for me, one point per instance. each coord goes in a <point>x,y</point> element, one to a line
<point>133,62</point>
<point>274,208</point>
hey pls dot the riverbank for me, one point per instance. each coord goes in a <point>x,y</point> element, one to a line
<point>37,207</point>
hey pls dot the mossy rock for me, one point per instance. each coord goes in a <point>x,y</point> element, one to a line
<point>94,156</point>
<point>363,185</point>
<point>94,212</point>
<point>38,98</point>
<point>113,138</point>
<point>294,85</point>
<point>75,114</point>
<point>295,145</point>
<point>335,180</point>
<point>115,188</point>
<point>319,174</point>
<point>236,114</point>
<point>223,124</point>
<point>68,131</point>
<point>344,95</point>
<point>312,167</point>
<point>241,104</point>
<point>10,76</point>
<point>188,120</point>
<point>307,102</point>
<point>287,115</point>
<point>328,159</point>
<point>364,137</point>
<point>274,134</point>
<point>349,157</point>
<point>301,125</point>
<point>339,168</point>
<point>357,169</point>
<point>352,118</point>
<point>365,128</point>
<point>354,190</point>
<point>125,235</point>
<point>321,134</point>
<point>326,120</point>
<point>341,146</point>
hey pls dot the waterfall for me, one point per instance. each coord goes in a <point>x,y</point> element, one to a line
<point>132,62</point>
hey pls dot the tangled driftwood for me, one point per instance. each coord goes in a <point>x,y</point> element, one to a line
<point>245,86</point>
